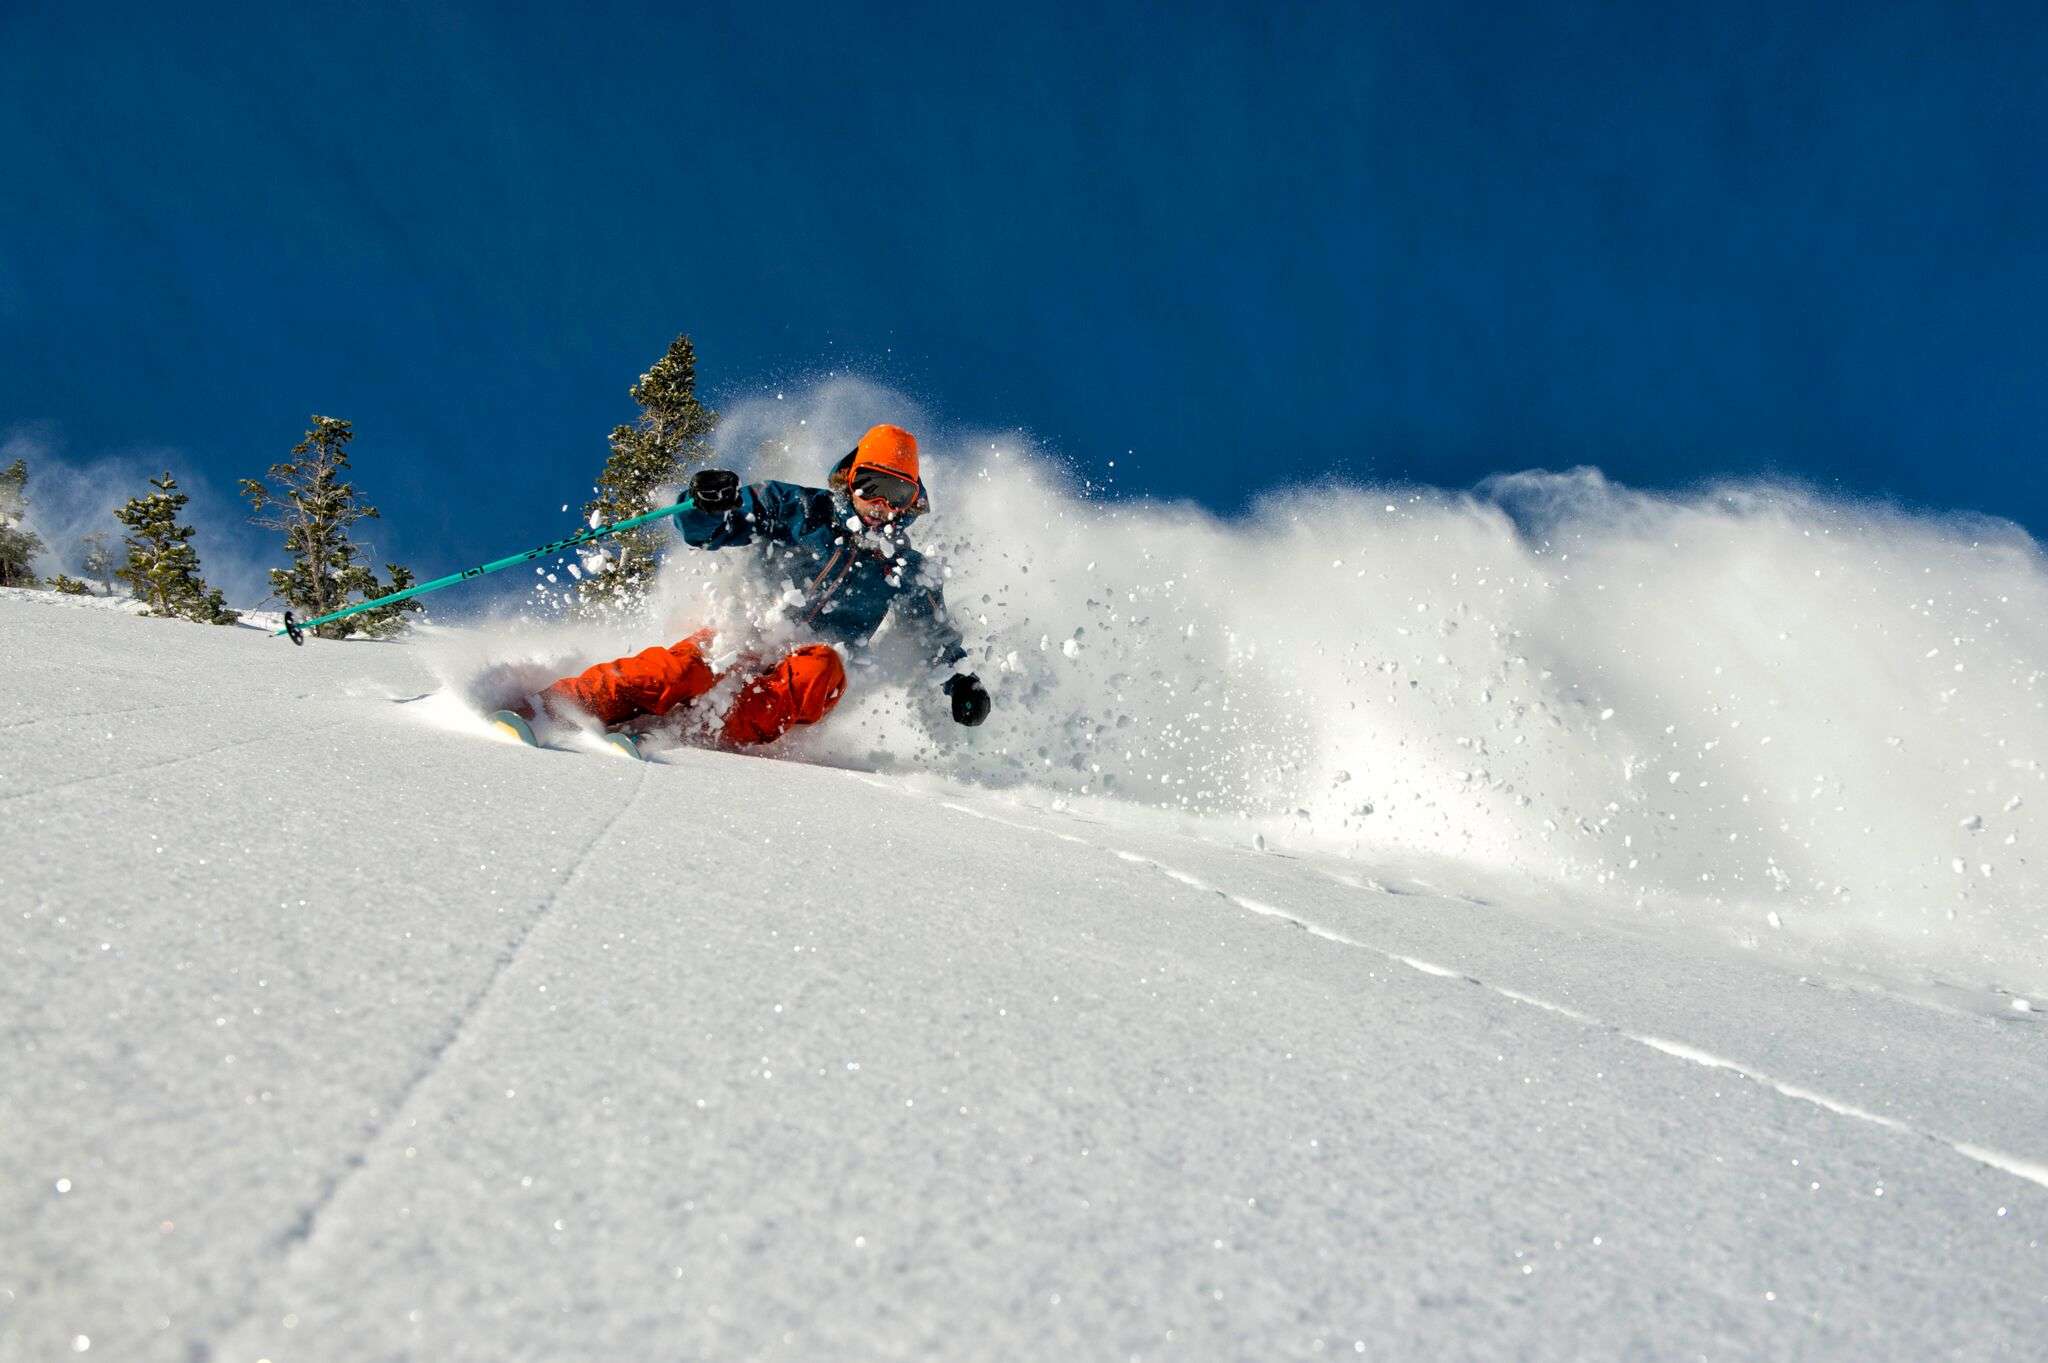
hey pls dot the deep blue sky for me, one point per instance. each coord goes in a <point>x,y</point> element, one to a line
<point>1252,244</point>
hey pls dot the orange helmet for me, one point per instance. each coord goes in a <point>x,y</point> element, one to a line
<point>889,449</point>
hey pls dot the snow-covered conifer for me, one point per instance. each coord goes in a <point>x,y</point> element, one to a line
<point>308,500</point>
<point>96,559</point>
<point>385,621</point>
<point>163,567</point>
<point>671,437</point>
<point>18,544</point>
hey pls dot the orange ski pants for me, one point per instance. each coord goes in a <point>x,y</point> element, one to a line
<point>802,688</point>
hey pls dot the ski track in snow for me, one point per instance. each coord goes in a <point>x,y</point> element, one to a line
<point>96,713</point>
<point>2033,1171</point>
<point>59,715</point>
<point>54,786</point>
<point>295,1238</point>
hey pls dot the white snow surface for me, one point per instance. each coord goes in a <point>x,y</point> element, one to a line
<point>338,1029</point>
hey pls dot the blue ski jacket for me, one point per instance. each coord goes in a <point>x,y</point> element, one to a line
<point>849,576</point>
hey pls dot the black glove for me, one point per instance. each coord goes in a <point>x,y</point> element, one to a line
<point>970,698</point>
<point>715,490</point>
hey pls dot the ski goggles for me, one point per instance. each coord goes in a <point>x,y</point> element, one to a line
<point>880,485</point>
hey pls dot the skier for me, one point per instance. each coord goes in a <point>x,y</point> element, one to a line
<point>853,562</point>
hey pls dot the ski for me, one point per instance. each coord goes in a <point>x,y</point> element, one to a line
<point>516,727</point>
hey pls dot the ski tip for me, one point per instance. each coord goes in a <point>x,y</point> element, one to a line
<point>625,745</point>
<point>514,726</point>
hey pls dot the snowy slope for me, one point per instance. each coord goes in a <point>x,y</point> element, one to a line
<point>337,1030</point>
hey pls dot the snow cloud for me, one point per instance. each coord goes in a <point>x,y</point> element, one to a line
<point>1787,712</point>
<point>69,498</point>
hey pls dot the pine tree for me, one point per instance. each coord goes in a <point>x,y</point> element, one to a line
<point>671,437</point>
<point>163,567</point>
<point>18,544</point>
<point>97,559</point>
<point>316,510</point>
<point>66,585</point>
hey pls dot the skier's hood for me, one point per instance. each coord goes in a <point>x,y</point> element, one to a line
<point>884,447</point>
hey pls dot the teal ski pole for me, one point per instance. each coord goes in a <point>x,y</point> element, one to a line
<point>296,628</point>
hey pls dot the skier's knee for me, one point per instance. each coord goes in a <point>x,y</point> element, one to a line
<point>801,689</point>
<point>817,681</point>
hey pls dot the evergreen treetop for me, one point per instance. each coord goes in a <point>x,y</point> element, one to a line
<point>672,436</point>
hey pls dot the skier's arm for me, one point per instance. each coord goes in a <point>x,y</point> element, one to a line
<point>723,515</point>
<point>925,610</point>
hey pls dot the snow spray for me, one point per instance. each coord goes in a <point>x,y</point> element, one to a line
<point>1746,694</point>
